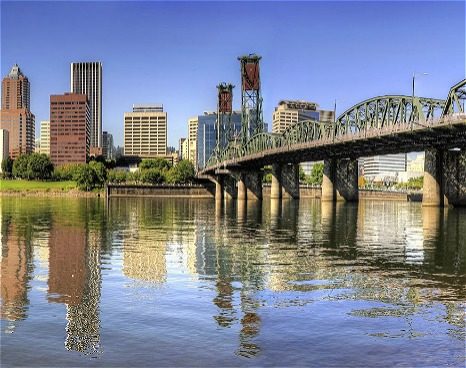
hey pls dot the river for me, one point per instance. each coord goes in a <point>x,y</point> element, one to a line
<point>185,282</point>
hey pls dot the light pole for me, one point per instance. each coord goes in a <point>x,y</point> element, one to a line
<point>414,78</point>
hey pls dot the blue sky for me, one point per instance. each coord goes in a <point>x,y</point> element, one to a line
<point>176,53</point>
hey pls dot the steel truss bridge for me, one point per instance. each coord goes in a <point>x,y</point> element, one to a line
<point>380,125</point>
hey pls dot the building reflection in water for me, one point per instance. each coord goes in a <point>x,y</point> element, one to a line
<point>75,278</point>
<point>16,269</point>
<point>402,254</point>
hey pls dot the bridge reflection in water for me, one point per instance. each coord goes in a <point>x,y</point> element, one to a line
<point>246,259</point>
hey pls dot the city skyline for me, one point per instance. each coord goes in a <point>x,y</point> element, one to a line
<point>192,51</point>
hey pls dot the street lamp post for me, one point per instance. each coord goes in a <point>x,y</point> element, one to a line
<point>414,78</point>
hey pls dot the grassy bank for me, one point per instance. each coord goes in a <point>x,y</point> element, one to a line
<point>33,185</point>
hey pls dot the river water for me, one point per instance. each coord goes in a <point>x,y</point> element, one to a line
<point>184,282</point>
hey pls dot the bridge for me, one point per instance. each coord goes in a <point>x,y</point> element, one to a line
<point>377,126</point>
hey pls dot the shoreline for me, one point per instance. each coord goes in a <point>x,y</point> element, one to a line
<point>145,191</point>
<point>73,193</point>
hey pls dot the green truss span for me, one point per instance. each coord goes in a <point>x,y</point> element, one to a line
<point>387,114</point>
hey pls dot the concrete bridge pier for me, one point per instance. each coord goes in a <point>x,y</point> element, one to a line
<point>328,181</point>
<point>250,185</point>
<point>340,180</point>
<point>347,180</point>
<point>253,181</point>
<point>290,181</point>
<point>229,188</point>
<point>219,188</point>
<point>285,181</point>
<point>276,187</point>
<point>242,192</point>
<point>432,187</point>
<point>444,178</point>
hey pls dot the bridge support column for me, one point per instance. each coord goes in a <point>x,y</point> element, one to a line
<point>229,188</point>
<point>454,178</point>
<point>276,187</point>
<point>347,180</point>
<point>290,181</point>
<point>340,180</point>
<point>219,188</point>
<point>444,178</point>
<point>241,188</point>
<point>432,188</point>
<point>328,180</point>
<point>253,181</point>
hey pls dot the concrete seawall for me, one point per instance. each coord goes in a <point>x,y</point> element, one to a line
<point>160,191</point>
<point>208,191</point>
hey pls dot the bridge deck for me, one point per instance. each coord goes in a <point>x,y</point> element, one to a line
<point>446,133</point>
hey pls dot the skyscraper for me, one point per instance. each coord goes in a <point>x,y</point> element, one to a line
<point>108,150</point>
<point>192,140</point>
<point>15,115</point>
<point>86,78</point>
<point>145,131</point>
<point>69,128</point>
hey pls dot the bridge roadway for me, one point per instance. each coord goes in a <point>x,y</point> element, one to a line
<point>378,126</point>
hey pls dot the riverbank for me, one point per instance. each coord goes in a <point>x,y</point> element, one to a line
<point>35,188</point>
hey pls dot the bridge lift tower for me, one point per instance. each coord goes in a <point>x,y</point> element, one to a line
<point>251,99</point>
<point>224,111</point>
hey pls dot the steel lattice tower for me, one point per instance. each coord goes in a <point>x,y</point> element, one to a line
<point>224,111</point>
<point>251,99</point>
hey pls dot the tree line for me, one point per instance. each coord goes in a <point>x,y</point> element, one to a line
<point>96,172</point>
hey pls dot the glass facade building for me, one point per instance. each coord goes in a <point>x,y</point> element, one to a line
<point>207,134</point>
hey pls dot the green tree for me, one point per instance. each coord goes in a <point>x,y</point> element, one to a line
<point>183,172</point>
<point>134,176</point>
<point>317,174</point>
<point>155,163</point>
<point>39,166</point>
<point>65,172</point>
<point>302,174</point>
<point>100,172</point>
<point>153,176</point>
<point>7,166</point>
<point>116,176</point>
<point>20,167</point>
<point>86,177</point>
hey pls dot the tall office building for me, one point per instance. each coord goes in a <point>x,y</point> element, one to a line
<point>182,142</point>
<point>4,146</point>
<point>15,90</point>
<point>108,150</point>
<point>45,137</point>
<point>145,131</point>
<point>379,168</point>
<point>86,78</point>
<point>15,115</point>
<point>69,128</point>
<point>207,134</point>
<point>192,140</point>
<point>288,113</point>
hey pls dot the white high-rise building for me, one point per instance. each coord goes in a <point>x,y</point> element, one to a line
<point>145,131</point>
<point>192,139</point>
<point>86,78</point>
<point>45,137</point>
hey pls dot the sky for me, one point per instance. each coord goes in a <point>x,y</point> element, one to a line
<point>175,53</point>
